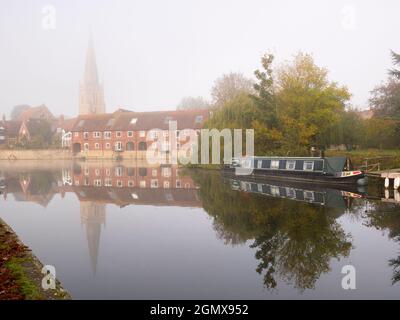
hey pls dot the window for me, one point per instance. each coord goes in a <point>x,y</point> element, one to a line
<point>165,133</point>
<point>275,191</point>
<point>108,182</point>
<point>130,146</point>
<point>86,147</point>
<point>119,184</point>
<point>130,172</point>
<point>76,134</point>
<point>154,172</point>
<point>290,193</point>
<point>274,164</point>
<point>96,134</point>
<point>131,183</point>
<point>118,134</point>
<point>97,146</point>
<point>308,195</point>
<point>108,172</point>
<point>97,172</point>
<point>308,166</point>
<point>142,146</point>
<point>130,134</point>
<point>107,135</point>
<point>199,119</point>
<point>154,183</point>
<point>142,183</point>
<point>166,184</point>
<point>259,163</point>
<point>86,181</point>
<point>118,146</point>
<point>143,172</point>
<point>108,146</point>
<point>97,183</point>
<point>178,183</point>
<point>166,172</point>
<point>86,135</point>
<point>142,134</point>
<point>86,171</point>
<point>118,171</point>
<point>290,164</point>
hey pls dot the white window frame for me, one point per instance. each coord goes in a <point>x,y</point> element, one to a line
<point>86,146</point>
<point>86,135</point>
<point>118,134</point>
<point>274,164</point>
<point>130,134</point>
<point>307,163</point>
<point>154,183</point>
<point>97,146</point>
<point>97,134</point>
<point>118,146</point>
<point>289,163</point>
<point>142,134</point>
<point>107,135</point>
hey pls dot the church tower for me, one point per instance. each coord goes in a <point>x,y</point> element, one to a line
<point>91,93</point>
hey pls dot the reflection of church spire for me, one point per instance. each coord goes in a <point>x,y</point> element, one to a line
<point>93,215</point>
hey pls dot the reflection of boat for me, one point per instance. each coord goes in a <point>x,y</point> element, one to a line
<point>331,170</point>
<point>304,192</point>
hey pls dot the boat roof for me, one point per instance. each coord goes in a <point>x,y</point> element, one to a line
<point>331,164</point>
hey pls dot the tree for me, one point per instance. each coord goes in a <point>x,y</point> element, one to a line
<point>17,110</point>
<point>229,86</point>
<point>396,61</point>
<point>385,99</point>
<point>265,94</point>
<point>308,104</point>
<point>193,103</point>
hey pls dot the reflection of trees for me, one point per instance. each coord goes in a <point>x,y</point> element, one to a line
<point>386,216</point>
<point>294,241</point>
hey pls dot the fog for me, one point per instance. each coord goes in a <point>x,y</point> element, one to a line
<point>150,54</point>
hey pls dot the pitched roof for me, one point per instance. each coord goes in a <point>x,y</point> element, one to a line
<point>40,112</point>
<point>12,127</point>
<point>123,120</point>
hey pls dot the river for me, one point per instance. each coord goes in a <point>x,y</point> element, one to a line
<point>137,231</point>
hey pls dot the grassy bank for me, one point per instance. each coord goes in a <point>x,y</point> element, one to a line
<point>20,271</point>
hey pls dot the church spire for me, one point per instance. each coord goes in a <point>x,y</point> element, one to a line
<point>91,77</point>
<point>91,94</point>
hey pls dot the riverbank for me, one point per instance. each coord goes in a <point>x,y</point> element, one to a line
<point>50,154</point>
<point>20,271</point>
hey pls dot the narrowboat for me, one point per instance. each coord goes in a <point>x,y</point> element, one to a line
<point>327,170</point>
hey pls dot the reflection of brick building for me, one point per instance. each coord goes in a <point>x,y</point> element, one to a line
<point>131,175</point>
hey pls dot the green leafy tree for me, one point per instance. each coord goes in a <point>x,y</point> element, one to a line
<point>309,104</point>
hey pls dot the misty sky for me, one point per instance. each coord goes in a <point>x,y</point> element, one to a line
<point>150,54</point>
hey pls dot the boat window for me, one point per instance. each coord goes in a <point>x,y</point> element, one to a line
<point>274,164</point>
<point>309,195</point>
<point>290,164</point>
<point>308,165</point>
<point>259,163</point>
<point>290,193</point>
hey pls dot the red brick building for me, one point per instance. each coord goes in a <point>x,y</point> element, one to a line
<point>126,133</point>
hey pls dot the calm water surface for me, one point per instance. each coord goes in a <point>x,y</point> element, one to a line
<point>133,231</point>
